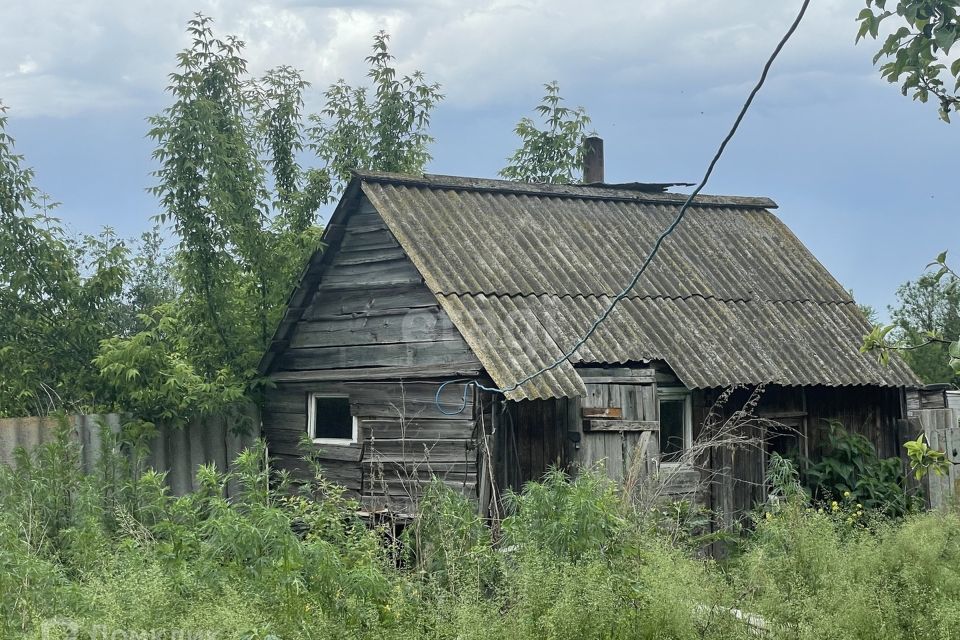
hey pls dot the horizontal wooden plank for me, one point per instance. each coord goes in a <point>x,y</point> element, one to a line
<point>346,474</point>
<point>380,355</point>
<point>286,448</point>
<point>273,421</point>
<point>411,410</point>
<point>364,215</point>
<point>417,429</point>
<point>359,300</point>
<point>368,238</point>
<point>446,428</point>
<point>295,425</point>
<point>424,454</point>
<point>363,256</point>
<point>332,287</point>
<point>371,225</point>
<point>679,481</point>
<point>386,374</point>
<point>461,475</point>
<point>370,274</point>
<point>289,396</point>
<point>413,490</point>
<point>344,452</point>
<point>437,467</point>
<point>291,443</point>
<point>668,379</point>
<point>294,443</point>
<point>399,446</point>
<point>385,507</point>
<point>623,375</point>
<point>417,479</point>
<point>399,325</point>
<point>401,503</point>
<point>621,425</point>
<point>364,205</point>
<point>602,412</point>
<point>394,399</point>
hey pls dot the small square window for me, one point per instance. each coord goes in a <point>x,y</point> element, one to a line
<point>329,420</point>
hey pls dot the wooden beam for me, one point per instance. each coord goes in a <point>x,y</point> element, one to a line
<point>624,375</point>
<point>602,412</point>
<point>393,374</point>
<point>618,380</point>
<point>621,425</point>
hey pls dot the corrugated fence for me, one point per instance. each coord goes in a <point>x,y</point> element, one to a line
<point>942,429</point>
<point>179,452</point>
<point>176,451</point>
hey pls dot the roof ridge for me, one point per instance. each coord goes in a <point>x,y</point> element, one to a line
<point>595,296</point>
<point>570,191</point>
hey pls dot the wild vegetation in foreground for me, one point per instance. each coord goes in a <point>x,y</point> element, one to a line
<point>112,555</point>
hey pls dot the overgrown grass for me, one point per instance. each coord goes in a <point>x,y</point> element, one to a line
<point>113,554</point>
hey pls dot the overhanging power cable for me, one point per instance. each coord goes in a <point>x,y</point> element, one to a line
<point>656,245</point>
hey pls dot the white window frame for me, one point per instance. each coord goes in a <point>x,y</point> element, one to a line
<point>312,421</point>
<point>679,393</point>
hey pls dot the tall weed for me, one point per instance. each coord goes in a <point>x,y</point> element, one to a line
<point>115,553</point>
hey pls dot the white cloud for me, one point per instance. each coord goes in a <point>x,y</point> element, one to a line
<point>28,66</point>
<point>98,54</point>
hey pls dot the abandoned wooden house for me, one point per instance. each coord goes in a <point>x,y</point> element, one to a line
<point>430,279</point>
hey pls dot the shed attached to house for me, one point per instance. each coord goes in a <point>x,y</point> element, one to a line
<point>432,279</point>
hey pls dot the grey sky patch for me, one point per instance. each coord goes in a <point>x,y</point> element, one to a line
<point>830,141</point>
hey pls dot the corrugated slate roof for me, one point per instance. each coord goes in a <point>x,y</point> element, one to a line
<point>523,270</point>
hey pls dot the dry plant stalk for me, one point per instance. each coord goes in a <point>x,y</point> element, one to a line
<point>741,429</point>
<point>412,471</point>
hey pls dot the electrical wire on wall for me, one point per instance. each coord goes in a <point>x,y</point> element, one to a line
<point>656,245</point>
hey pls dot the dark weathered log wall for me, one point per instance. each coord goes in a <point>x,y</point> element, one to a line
<point>374,332</point>
<point>873,412</point>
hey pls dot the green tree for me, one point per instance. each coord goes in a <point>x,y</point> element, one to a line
<point>928,311</point>
<point>244,212</point>
<point>384,132</point>
<point>917,49</point>
<point>926,327</point>
<point>59,296</point>
<point>244,215</point>
<point>553,154</point>
<point>151,282</point>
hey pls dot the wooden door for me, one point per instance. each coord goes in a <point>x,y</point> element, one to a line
<point>619,422</point>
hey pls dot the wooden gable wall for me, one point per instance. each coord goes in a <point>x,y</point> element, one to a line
<point>373,331</point>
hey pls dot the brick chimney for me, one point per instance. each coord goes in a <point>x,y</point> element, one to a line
<point>592,160</point>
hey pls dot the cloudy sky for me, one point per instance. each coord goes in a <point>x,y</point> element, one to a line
<point>864,176</point>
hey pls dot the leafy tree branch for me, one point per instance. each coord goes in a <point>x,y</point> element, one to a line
<point>554,153</point>
<point>918,50</point>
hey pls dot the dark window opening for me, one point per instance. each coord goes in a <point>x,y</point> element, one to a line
<point>331,418</point>
<point>785,443</point>
<point>672,427</point>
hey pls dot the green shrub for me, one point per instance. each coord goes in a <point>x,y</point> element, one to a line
<point>847,465</point>
<point>816,574</point>
<point>113,551</point>
<point>568,518</point>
